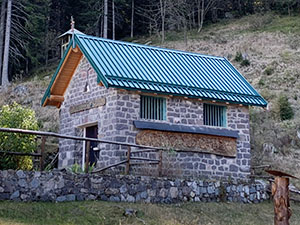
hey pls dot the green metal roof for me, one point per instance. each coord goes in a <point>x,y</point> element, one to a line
<point>152,69</point>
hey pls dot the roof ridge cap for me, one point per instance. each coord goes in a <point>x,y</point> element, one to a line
<point>152,47</point>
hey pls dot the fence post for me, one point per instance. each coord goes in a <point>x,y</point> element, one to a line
<point>42,153</point>
<point>128,161</point>
<point>87,156</point>
<point>160,163</point>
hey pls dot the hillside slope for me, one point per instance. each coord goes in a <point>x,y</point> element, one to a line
<point>270,43</point>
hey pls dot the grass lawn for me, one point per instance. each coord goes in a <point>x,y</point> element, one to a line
<point>99,212</point>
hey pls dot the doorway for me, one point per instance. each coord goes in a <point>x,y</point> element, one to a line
<point>92,132</point>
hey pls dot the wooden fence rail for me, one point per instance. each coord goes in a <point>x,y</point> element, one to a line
<point>43,134</point>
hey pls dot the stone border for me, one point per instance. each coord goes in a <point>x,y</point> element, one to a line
<point>59,186</point>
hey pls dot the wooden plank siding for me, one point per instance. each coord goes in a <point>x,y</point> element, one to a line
<point>64,77</point>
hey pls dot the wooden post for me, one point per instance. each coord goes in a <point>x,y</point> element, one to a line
<point>160,152</point>
<point>280,193</point>
<point>127,169</point>
<point>42,158</point>
<point>87,156</point>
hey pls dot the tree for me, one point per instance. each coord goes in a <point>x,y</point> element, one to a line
<point>285,109</point>
<point>132,18</point>
<point>5,81</point>
<point>203,7</point>
<point>163,6</point>
<point>113,20</point>
<point>2,23</point>
<point>105,22</point>
<point>16,116</point>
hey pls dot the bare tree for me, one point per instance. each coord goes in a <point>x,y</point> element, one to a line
<point>151,12</point>
<point>163,5</point>
<point>105,22</point>
<point>2,23</point>
<point>5,80</point>
<point>113,20</point>
<point>132,18</point>
<point>203,7</point>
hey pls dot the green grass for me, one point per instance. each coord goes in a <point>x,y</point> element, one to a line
<point>98,212</point>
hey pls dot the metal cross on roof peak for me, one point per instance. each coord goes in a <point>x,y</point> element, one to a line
<point>72,24</point>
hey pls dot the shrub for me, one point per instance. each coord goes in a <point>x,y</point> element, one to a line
<point>261,82</point>
<point>245,62</point>
<point>285,109</point>
<point>269,70</point>
<point>238,57</point>
<point>16,116</point>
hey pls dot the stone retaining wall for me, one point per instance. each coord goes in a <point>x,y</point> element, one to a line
<point>57,186</point>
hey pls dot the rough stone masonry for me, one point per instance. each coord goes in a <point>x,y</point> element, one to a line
<point>58,186</point>
<point>115,122</point>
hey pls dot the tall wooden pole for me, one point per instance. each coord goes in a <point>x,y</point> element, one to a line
<point>87,156</point>
<point>127,169</point>
<point>280,193</point>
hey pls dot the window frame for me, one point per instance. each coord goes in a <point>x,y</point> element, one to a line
<point>211,120</point>
<point>158,102</point>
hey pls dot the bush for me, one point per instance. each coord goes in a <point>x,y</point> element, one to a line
<point>245,62</point>
<point>16,116</point>
<point>238,57</point>
<point>269,70</point>
<point>285,109</point>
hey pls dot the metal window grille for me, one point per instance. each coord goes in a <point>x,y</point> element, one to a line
<point>214,115</point>
<point>153,108</point>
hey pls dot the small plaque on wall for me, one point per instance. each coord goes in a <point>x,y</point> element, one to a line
<point>225,146</point>
<point>88,105</point>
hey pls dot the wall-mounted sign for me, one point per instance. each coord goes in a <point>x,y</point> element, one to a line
<point>94,103</point>
<point>225,146</point>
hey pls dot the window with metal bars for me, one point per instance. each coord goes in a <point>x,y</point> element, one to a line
<point>153,108</point>
<point>214,115</point>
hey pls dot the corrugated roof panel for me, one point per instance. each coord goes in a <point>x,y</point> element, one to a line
<point>128,65</point>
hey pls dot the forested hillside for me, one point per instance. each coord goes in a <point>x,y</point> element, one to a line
<point>29,28</point>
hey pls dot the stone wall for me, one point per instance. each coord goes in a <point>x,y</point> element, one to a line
<point>115,122</point>
<point>57,186</point>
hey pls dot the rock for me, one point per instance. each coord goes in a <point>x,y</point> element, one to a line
<point>114,199</point>
<point>192,194</point>
<point>123,189</point>
<point>112,191</point>
<point>174,192</point>
<point>246,190</point>
<point>23,196</point>
<point>15,195</point>
<point>130,198</point>
<point>60,184</point>
<point>129,212</point>
<point>70,197</point>
<point>252,190</point>
<point>211,189</point>
<point>1,189</point>
<point>21,90</point>
<point>64,198</point>
<point>49,185</point>
<point>163,193</point>
<point>22,183</point>
<point>61,199</point>
<point>144,195</point>
<point>35,183</point>
<point>228,188</point>
<point>20,174</point>
<point>186,191</point>
<point>151,193</point>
